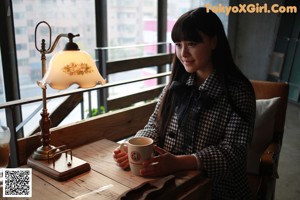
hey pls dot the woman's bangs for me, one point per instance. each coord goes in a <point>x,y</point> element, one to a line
<point>185,30</point>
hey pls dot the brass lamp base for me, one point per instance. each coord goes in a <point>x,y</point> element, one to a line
<point>44,152</point>
<point>59,167</point>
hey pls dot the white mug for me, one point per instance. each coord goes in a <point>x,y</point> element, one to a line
<point>139,150</point>
<point>4,146</point>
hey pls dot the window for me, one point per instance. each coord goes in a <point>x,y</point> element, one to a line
<point>128,26</point>
<point>130,22</point>
<point>64,16</point>
<point>2,92</point>
<point>20,30</point>
<point>74,16</point>
<point>177,7</point>
<point>2,97</point>
<point>21,47</point>
<point>129,18</point>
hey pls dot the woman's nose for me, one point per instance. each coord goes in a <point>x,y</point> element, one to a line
<point>184,51</point>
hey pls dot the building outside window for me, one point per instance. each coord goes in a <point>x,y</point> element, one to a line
<point>131,22</point>
<point>2,97</point>
<point>64,16</point>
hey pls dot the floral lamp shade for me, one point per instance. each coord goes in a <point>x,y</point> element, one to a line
<point>69,67</point>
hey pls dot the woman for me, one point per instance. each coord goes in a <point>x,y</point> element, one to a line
<point>205,115</point>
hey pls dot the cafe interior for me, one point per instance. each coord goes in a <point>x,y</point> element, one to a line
<point>65,133</point>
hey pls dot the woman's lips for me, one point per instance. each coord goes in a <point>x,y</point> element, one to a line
<point>187,62</point>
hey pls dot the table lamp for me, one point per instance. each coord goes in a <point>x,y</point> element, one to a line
<point>65,68</point>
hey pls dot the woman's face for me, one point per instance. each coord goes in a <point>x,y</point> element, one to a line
<point>196,56</point>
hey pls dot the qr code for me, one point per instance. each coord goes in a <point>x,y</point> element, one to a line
<point>17,182</point>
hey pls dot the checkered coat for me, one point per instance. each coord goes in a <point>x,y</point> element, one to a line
<point>218,135</point>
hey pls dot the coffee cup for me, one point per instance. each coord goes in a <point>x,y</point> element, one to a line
<point>4,150</point>
<point>4,146</point>
<point>139,150</point>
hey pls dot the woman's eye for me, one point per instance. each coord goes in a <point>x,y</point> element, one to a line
<point>191,44</point>
<point>178,45</point>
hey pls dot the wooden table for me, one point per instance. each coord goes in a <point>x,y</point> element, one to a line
<point>107,181</point>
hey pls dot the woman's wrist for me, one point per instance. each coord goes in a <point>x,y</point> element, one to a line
<point>188,162</point>
<point>199,163</point>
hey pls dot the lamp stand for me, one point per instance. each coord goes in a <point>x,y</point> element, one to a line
<point>44,151</point>
<point>49,160</point>
<point>46,158</point>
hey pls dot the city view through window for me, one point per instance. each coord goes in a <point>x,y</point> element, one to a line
<point>129,22</point>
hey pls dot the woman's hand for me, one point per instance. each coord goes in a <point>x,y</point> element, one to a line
<point>163,164</point>
<point>121,158</point>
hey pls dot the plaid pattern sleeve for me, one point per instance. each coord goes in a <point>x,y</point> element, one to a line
<point>225,161</point>
<point>230,151</point>
<point>151,129</point>
<point>218,136</point>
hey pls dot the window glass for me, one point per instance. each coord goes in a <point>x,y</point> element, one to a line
<point>2,95</point>
<point>135,22</point>
<point>177,7</point>
<point>131,24</point>
<point>64,16</point>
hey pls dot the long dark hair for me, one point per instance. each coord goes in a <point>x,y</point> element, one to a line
<point>188,27</point>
